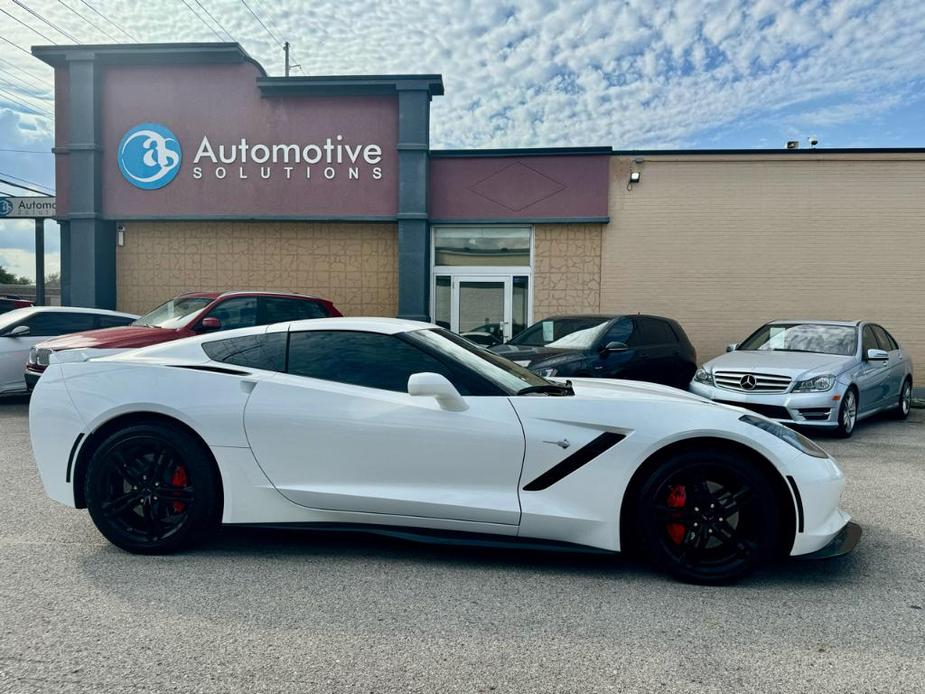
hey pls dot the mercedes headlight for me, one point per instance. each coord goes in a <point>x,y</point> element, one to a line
<point>816,384</point>
<point>795,439</point>
<point>33,356</point>
<point>703,376</point>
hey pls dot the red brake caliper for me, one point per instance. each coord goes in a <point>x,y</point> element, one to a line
<point>178,479</point>
<point>677,497</point>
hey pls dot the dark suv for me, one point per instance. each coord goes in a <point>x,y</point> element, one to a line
<point>638,347</point>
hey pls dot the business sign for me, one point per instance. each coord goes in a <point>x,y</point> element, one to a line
<point>149,156</point>
<point>37,207</point>
<point>218,148</point>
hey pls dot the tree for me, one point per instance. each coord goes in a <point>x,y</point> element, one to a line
<point>10,278</point>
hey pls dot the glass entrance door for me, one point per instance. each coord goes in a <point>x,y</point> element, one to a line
<point>481,308</point>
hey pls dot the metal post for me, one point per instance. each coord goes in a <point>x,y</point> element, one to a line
<point>286,51</point>
<point>39,262</point>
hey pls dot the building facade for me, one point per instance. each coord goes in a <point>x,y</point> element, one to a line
<point>184,167</point>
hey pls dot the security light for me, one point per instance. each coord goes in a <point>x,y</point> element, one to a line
<point>634,177</point>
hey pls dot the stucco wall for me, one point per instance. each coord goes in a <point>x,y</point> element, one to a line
<point>353,264</point>
<point>726,243</point>
<point>567,269</point>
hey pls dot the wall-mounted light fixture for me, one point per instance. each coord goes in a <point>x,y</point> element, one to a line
<point>635,172</point>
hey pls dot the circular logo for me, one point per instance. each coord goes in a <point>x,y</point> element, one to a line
<point>149,156</point>
<point>5,207</point>
<point>748,382</point>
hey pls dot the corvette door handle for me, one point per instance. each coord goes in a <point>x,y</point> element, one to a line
<point>563,444</point>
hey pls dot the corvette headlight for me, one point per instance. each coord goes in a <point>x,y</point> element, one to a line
<point>703,376</point>
<point>816,384</point>
<point>795,439</point>
<point>547,372</point>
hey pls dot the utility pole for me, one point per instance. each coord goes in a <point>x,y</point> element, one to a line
<point>39,262</point>
<point>289,66</point>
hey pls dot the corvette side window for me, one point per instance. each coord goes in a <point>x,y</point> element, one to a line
<point>372,360</point>
<point>267,351</point>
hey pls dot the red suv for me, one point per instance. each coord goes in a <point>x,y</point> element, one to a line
<point>185,316</point>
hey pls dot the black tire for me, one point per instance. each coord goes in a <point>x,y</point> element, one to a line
<point>847,420</point>
<point>683,534</point>
<point>905,400</point>
<point>164,486</point>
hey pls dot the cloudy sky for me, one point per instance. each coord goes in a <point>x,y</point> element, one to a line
<point>631,74</point>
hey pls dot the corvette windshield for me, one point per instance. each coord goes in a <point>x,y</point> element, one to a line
<point>803,337</point>
<point>508,376</point>
<point>175,313</point>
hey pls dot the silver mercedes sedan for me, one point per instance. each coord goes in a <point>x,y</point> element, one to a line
<point>826,374</point>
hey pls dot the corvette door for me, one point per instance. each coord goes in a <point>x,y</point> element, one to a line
<point>340,432</point>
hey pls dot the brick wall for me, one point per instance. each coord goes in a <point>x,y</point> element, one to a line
<point>567,269</point>
<point>726,243</point>
<point>353,264</point>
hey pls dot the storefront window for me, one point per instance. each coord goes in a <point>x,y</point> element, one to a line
<point>442,299</point>
<point>482,246</point>
<point>520,304</point>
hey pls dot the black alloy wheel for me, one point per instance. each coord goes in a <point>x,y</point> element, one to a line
<point>151,489</point>
<point>708,517</point>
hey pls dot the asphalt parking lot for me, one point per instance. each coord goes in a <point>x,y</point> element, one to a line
<point>269,611</point>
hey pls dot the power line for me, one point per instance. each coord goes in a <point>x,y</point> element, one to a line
<point>16,45</point>
<point>34,109</point>
<point>260,21</point>
<point>210,28</point>
<point>49,23</point>
<point>117,26</point>
<point>27,72</point>
<point>12,76</point>
<point>95,26</point>
<point>16,185</point>
<point>204,9</point>
<point>32,29</point>
<point>27,99</point>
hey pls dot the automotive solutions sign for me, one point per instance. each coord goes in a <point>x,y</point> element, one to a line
<point>35,207</point>
<point>201,142</point>
<point>150,156</point>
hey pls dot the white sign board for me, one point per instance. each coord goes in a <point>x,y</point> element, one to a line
<point>36,207</point>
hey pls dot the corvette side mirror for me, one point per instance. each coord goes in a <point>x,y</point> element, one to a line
<point>209,324</point>
<point>731,347</point>
<point>428,384</point>
<point>19,331</point>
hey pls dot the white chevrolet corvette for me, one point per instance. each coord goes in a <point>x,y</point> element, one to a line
<point>402,427</point>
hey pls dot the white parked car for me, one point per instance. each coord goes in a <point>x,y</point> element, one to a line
<point>22,328</point>
<point>398,426</point>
